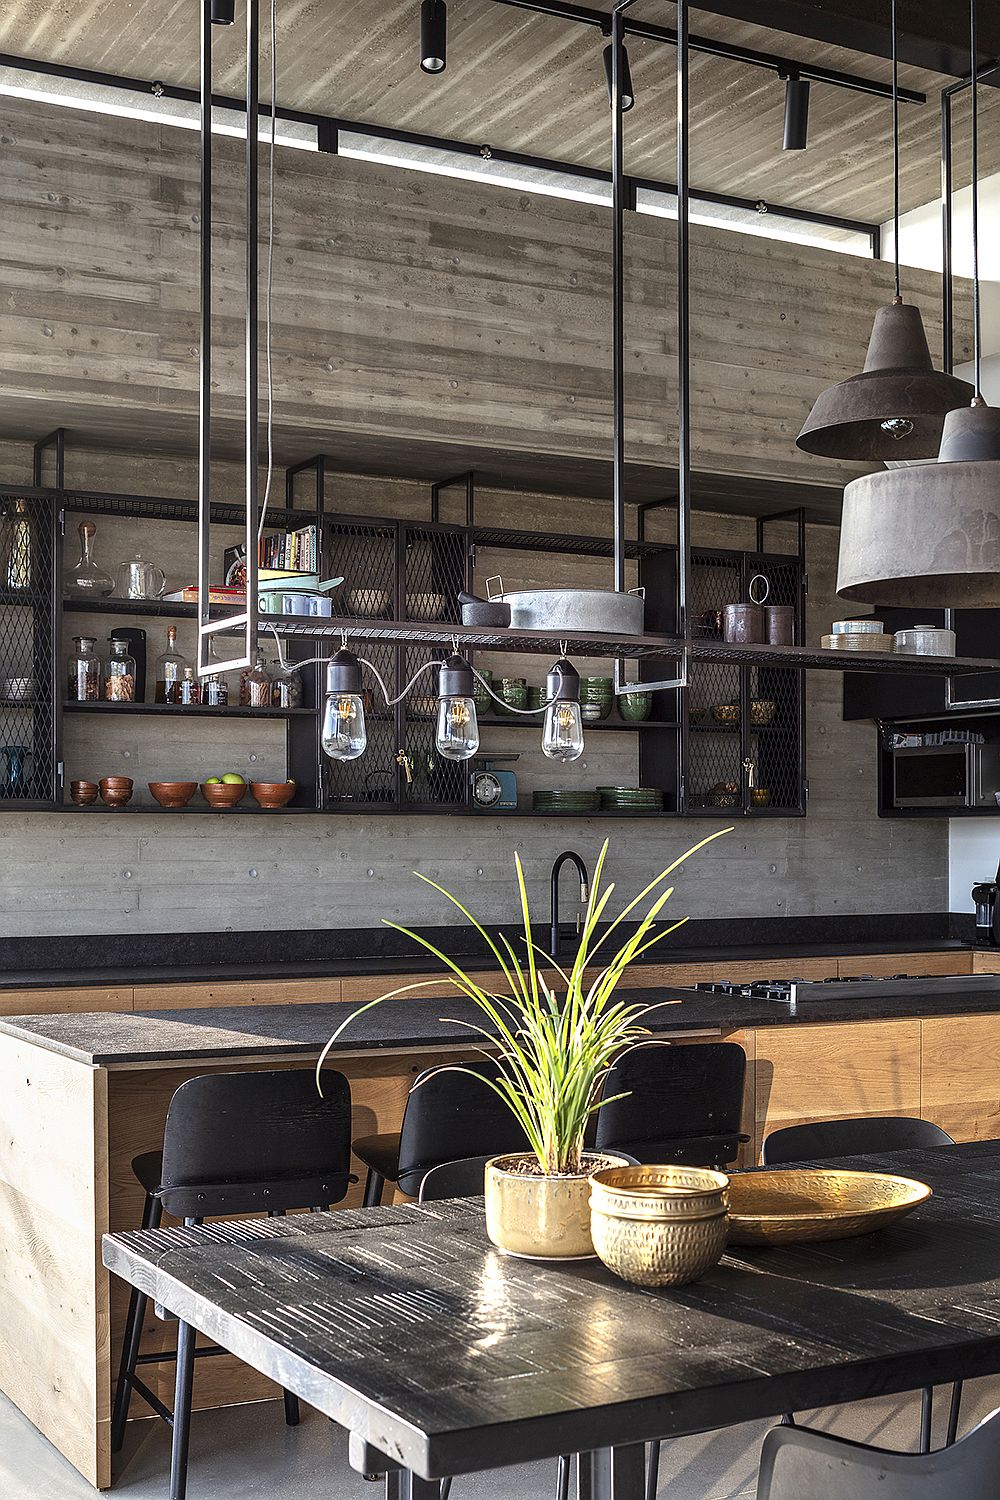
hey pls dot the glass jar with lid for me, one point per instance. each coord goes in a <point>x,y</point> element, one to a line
<point>189,689</point>
<point>286,687</point>
<point>215,691</point>
<point>255,685</point>
<point>119,679</point>
<point>83,671</point>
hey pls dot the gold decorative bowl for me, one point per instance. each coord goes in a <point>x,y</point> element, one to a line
<point>795,1204</point>
<point>658,1225</point>
<point>762,710</point>
<point>726,713</point>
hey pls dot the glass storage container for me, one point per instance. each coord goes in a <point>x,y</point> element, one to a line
<point>286,688</point>
<point>255,686</point>
<point>84,671</point>
<point>215,692</point>
<point>170,670</point>
<point>189,689</point>
<point>119,680</point>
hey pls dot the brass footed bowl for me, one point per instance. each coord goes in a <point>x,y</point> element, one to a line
<point>658,1226</point>
<point>792,1205</point>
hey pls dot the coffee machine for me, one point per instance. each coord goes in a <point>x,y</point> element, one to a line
<point>987,912</point>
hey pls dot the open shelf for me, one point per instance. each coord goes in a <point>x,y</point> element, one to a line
<point>183,710</point>
<point>623,726</point>
<point>170,609</point>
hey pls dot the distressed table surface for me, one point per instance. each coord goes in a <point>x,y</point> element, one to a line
<point>409,1329</point>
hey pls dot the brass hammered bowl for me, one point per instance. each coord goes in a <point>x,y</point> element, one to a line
<point>797,1204</point>
<point>658,1226</point>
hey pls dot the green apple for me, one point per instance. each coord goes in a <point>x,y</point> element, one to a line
<point>213,780</point>
<point>233,778</point>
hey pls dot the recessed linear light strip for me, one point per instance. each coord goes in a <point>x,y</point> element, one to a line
<point>165,105</point>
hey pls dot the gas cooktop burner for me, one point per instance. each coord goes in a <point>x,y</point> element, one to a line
<point>789,991</point>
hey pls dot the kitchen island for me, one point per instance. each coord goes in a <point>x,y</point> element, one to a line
<point>82,1094</point>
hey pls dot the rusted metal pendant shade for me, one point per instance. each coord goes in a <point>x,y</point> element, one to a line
<point>896,408</point>
<point>929,536</point>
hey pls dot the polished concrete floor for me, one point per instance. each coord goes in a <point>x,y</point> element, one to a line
<point>247,1452</point>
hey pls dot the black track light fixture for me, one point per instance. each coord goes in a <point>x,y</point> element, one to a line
<point>628,95</point>
<point>433,36</point>
<point>223,12</point>
<point>796,113</point>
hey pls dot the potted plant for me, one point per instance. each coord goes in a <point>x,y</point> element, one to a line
<point>553,1044</point>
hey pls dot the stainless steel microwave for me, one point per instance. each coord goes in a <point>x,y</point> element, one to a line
<point>946,776</point>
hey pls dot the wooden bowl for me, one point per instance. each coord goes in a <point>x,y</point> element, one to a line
<point>272,793</point>
<point>116,790</point>
<point>223,793</point>
<point>83,793</point>
<point>173,793</point>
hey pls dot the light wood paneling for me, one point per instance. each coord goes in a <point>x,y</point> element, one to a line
<point>960,1075</point>
<point>53,1293</point>
<point>986,961</point>
<point>807,1073</point>
<point>779,968</point>
<point>882,965</point>
<point>237,992</point>
<point>55,1002</point>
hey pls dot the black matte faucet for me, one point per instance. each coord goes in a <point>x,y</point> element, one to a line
<point>575,859</point>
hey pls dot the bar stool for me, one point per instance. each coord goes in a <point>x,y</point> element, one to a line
<point>868,1136</point>
<point>682,1104</point>
<point>233,1144</point>
<point>450,1114</point>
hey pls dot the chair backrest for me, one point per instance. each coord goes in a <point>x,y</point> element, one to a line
<point>452,1114</point>
<point>237,1143</point>
<point>454,1179</point>
<point>799,1464</point>
<point>861,1137</point>
<point>674,1094</point>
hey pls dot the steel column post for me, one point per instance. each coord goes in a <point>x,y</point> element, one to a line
<point>947,237</point>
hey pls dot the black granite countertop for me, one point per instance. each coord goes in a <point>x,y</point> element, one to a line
<point>179,958</point>
<point>115,1039</point>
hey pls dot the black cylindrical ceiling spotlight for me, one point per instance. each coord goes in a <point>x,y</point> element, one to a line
<point>433,36</point>
<point>796,113</point>
<point>223,12</point>
<point>628,97</point>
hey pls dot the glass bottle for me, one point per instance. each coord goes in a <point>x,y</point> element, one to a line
<point>189,689</point>
<point>17,548</point>
<point>119,682</point>
<point>88,580</point>
<point>84,671</point>
<point>286,688</point>
<point>170,670</point>
<point>215,693</point>
<point>257,685</point>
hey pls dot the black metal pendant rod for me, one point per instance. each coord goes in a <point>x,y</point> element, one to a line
<point>205,325</point>
<point>683,320</point>
<point>618,204</point>
<point>583,15</point>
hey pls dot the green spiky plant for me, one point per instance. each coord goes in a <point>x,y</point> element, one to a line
<point>553,1053</point>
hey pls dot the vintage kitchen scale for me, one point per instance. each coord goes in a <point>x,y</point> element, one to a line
<point>493,790</point>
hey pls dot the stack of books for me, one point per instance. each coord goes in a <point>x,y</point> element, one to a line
<point>294,550</point>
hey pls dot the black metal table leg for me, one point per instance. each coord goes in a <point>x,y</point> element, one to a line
<point>953,1413</point>
<point>613,1473</point>
<point>412,1487</point>
<point>182,1411</point>
<point>652,1469</point>
<point>926,1417</point>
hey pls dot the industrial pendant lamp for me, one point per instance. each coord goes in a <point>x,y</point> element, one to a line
<point>895,409</point>
<point>930,536</point>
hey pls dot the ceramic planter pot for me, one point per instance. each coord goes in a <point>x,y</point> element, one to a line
<point>541,1218</point>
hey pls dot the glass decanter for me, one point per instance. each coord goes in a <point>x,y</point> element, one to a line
<point>88,579</point>
<point>17,546</point>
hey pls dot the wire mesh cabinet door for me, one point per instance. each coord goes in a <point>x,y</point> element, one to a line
<point>31,672</point>
<point>773,755</point>
<point>712,738</point>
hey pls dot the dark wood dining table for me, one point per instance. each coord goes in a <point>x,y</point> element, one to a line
<point>409,1329</point>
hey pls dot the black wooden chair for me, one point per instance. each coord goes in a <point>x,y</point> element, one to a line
<point>233,1144</point>
<point>450,1115</point>
<point>682,1104</point>
<point>454,1179</point>
<point>867,1136</point>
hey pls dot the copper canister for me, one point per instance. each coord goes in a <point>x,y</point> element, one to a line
<point>779,624</point>
<point>743,624</point>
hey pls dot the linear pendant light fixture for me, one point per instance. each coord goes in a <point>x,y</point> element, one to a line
<point>895,409</point>
<point>930,536</point>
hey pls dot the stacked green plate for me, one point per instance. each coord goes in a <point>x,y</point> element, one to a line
<point>569,801</point>
<point>631,798</point>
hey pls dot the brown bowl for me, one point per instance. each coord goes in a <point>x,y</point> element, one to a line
<point>173,793</point>
<point>223,793</point>
<point>83,792</point>
<point>760,796</point>
<point>116,790</point>
<point>272,793</point>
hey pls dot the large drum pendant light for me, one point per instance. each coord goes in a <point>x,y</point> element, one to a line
<point>930,536</point>
<point>895,409</point>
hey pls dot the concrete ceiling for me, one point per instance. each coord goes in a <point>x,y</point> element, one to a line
<point>535,84</point>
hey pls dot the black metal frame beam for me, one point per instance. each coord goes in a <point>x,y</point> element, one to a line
<point>563,11</point>
<point>329,128</point>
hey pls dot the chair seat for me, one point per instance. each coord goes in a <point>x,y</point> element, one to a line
<point>148,1168</point>
<point>380,1153</point>
<point>688,1151</point>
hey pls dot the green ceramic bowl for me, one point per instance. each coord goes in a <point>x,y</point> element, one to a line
<point>634,708</point>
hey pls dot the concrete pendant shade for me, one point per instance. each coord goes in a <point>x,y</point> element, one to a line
<point>929,537</point>
<point>899,384</point>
